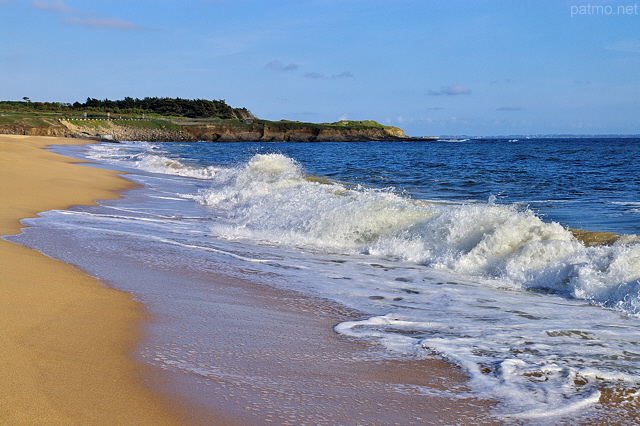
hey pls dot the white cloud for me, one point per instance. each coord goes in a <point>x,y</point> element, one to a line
<point>455,90</point>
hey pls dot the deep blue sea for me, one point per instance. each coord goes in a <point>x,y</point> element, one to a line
<point>460,249</point>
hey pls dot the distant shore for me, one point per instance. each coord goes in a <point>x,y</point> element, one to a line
<point>66,340</point>
<point>164,129</point>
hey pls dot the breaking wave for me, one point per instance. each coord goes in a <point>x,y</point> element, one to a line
<point>272,200</point>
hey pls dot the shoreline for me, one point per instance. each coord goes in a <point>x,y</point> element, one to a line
<point>293,368</point>
<point>61,379</point>
<point>65,351</point>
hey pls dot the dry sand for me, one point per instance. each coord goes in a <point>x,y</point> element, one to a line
<point>66,340</point>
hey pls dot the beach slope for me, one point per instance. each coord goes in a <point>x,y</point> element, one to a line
<point>66,340</point>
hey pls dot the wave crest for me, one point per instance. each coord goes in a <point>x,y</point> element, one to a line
<point>270,199</point>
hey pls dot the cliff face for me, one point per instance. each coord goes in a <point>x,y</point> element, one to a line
<point>221,131</point>
<point>58,131</point>
<point>111,130</point>
<point>274,133</point>
<point>36,126</point>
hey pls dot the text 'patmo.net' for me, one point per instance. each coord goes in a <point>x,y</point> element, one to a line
<point>600,10</point>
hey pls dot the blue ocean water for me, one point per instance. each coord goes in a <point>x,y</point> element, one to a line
<point>459,249</point>
<point>590,184</point>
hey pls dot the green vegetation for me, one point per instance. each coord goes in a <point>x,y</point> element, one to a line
<point>347,124</point>
<point>153,123</point>
<point>25,120</point>
<point>360,124</point>
<point>167,107</point>
<point>149,124</point>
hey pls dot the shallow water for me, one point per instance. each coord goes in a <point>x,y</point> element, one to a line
<point>454,249</point>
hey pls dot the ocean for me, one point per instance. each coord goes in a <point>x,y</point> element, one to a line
<point>457,249</point>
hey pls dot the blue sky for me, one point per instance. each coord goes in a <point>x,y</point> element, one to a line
<point>431,67</point>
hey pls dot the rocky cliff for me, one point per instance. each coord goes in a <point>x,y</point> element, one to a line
<point>275,131</point>
<point>121,130</point>
<point>157,130</point>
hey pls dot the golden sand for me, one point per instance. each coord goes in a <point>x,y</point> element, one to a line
<point>66,341</point>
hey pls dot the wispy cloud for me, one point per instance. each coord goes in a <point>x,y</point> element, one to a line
<point>111,23</point>
<point>83,18</point>
<point>410,120</point>
<point>342,75</point>
<point>510,108</point>
<point>314,75</point>
<point>54,6</point>
<point>320,76</point>
<point>455,90</point>
<point>624,46</point>
<point>276,65</point>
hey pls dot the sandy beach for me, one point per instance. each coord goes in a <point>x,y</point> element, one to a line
<point>68,348</point>
<point>66,340</point>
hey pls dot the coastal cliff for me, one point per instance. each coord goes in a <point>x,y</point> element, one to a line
<point>177,120</point>
<point>289,131</point>
<point>231,130</point>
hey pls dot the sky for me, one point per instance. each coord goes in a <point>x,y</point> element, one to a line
<point>430,67</point>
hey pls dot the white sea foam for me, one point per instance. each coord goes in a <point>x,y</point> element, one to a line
<point>160,164</point>
<point>271,200</point>
<point>528,357</point>
<point>516,301</point>
<point>147,157</point>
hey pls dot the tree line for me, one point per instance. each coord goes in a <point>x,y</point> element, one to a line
<point>175,107</point>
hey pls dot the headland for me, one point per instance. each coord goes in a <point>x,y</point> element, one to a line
<point>178,120</point>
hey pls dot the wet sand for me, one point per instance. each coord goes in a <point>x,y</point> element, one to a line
<point>277,360</point>
<point>66,340</point>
